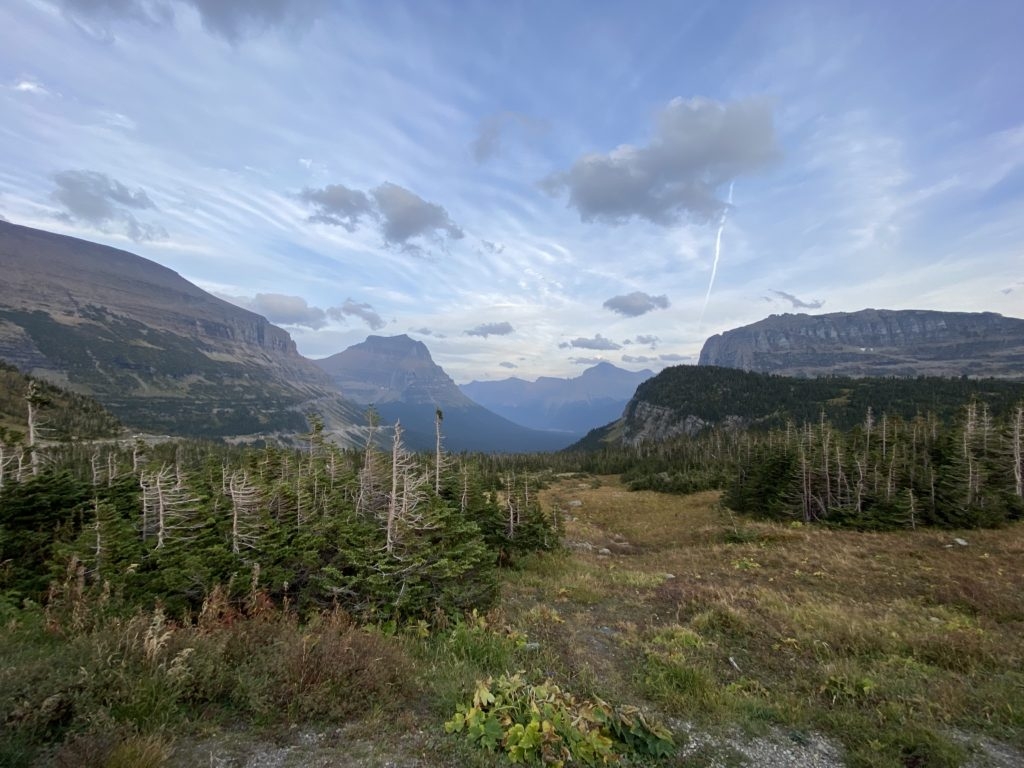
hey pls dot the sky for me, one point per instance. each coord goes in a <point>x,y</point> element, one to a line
<point>530,187</point>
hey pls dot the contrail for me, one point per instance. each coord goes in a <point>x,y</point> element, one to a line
<point>718,251</point>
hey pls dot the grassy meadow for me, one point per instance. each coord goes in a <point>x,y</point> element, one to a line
<point>899,649</point>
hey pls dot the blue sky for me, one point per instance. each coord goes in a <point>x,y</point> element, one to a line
<point>529,187</point>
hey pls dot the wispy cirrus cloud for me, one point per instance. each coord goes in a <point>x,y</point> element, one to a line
<point>229,19</point>
<point>493,128</point>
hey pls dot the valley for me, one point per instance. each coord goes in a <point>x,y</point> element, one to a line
<point>213,549</point>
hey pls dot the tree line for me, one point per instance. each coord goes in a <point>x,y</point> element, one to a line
<point>383,534</point>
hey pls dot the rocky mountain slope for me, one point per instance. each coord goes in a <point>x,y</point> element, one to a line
<point>875,342</point>
<point>397,375</point>
<point>159,352</point>
<point>574,405</point>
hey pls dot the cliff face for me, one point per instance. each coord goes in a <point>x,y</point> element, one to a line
<point>875,343</point>
<point>386,369</point>
<point>160,352</point>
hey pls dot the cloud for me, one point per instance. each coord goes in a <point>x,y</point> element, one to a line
<point>287,310</point>
<point>638,359</point>
<point>427,332</point>
<point>407,215</point>
<point>487,143</point>
<point>403,215</point>
<point>674,358</point>
<point>507,364</point>
<point>587,360</point>
<point>651,341</point>
<point>230,19</point>
<point>636,303</point>
<point>492,248</point>
<point>363,311</point>
<point>598,342</point>
<point>798,303</point>
<point>698,146</point>
<point>491,329</point>
<point>233,19</point>
<point>338,205</point>
<point>97,199</point>
<point>30,86</point>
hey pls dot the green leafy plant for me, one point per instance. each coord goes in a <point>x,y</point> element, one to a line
<point>542,724</point>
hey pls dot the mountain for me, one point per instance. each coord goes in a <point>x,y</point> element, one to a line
<point>399,378</point>
<point>687,399</point>
<point>160,353</point>
<point>875,342</point>
<point>575,405</point>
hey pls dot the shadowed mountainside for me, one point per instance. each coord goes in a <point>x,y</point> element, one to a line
<point>159,352</point>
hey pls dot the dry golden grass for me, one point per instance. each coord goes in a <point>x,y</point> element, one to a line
<point>675,601</point>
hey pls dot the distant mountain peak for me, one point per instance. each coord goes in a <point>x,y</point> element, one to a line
<point>575,405</point>
<point>392,368</point>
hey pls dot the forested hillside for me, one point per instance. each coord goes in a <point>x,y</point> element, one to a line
<point>689,399</point>
<point>382,534</point>
<point>62,415</point>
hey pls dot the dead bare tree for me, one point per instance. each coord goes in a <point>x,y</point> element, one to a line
<point>407,496</point>
<point>245,505</point>
<point>168,509</point>
<point>35,400</point>
<point>1017,435</point>
<point>439,457</point>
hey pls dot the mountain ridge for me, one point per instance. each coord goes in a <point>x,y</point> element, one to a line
<point>685,400</point>
<point>574,405</point>
<point>159,352</point>
<point>875,342</point>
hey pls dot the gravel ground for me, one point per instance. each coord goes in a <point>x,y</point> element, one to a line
<point>347,747</point>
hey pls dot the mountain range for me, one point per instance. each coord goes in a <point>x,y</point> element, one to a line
<point>875,342</point>
<point>398,377</point>
<point>574,405</point>
<point>166,357</point>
